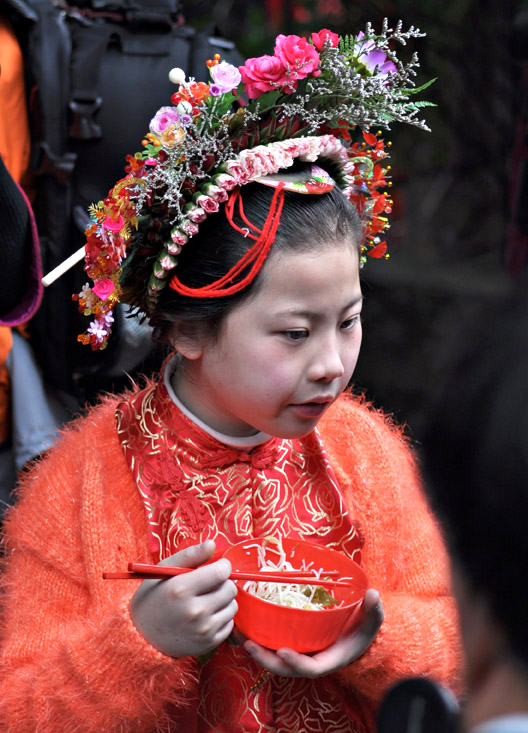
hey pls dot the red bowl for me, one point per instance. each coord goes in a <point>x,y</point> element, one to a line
<point>304,630</point>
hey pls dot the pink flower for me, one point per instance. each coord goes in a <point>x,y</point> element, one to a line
<point>280,157</point>
<point>262,74</point>
<point>217,193</point>
<point>179,238</point>
<point>189,228</point>
<point>311,150</point>
<point>164,117</point>
<point>254,163</point>
<point>318,39</point>
<point>237,170</point>
<point>103,288</point>
<point>225,181</point>
<point>208,204</point>
<point>226,77</point>
<point>196,214</point>
<point>298,56</point>
<point>113,225</point>
<point>168,262</point>
<point>173,249</point>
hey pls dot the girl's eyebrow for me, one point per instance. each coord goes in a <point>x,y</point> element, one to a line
<point>305,313</point>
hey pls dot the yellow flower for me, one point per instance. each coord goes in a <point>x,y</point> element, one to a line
<point>171,136</point>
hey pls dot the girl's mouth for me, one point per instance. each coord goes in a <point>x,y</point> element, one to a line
<point>310,409</point>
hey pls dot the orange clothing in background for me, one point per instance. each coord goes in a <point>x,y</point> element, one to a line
<point>15,151</point>
<point>6,341</point>
<point>14,127</point>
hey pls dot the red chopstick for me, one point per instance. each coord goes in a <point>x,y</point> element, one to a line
<point>142,571</point>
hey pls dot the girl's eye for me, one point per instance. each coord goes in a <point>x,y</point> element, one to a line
<point>296,335</point>
<point>351,322</point>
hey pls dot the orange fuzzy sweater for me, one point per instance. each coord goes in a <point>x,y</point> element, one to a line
<point>72,659</point>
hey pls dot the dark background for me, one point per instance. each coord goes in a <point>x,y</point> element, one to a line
<point>457,224</point>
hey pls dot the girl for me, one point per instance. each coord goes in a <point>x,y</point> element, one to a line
<point>247,433</point>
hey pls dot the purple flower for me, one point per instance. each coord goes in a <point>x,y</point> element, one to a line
<point>163,118</point>
<point>108,319</point>
<point>98,329</point>
<point>226,77</point>
<point>375,60</point>
<point>215,90</point>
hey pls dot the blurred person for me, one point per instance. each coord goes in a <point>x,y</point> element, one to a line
<point>476,460</point>
<point>20,296</point>
<point>21,288</point>
<point>28,422</point>
<point>54,58</point>
<point>20,264</point>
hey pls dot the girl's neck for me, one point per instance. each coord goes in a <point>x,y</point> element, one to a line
<point>171,385</point>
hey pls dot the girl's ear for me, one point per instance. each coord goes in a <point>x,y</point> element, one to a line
<point>187,342</point>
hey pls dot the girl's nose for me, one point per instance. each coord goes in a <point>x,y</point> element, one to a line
<point>327,363</point>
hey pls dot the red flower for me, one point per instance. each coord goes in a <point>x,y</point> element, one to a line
<point>92,248</point>
<point>298,56</point>
<point>378,251</point>
<point>262,74</point>
<point>318,39</point>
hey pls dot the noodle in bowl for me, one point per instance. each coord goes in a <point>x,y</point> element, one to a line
<point>305,618</point>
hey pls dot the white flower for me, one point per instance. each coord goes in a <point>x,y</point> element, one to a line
<point>177,75</point>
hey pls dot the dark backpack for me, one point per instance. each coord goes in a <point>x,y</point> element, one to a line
<point>96,73</point>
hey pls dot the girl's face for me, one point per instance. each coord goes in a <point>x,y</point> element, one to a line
<point>285,354</point>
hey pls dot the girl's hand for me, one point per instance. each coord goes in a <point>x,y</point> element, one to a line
<point>288,663</point>
<point>191,614</point>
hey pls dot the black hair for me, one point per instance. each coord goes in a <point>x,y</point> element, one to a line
<point>308,222</point>
<point>475,455</point>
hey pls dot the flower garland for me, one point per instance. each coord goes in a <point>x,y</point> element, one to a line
<point>313,100</point>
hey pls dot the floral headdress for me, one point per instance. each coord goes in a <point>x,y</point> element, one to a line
<point>313,100</point>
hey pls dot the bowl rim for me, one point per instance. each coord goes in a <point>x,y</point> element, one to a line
<point>342,606</point>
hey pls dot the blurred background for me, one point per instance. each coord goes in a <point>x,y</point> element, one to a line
<point>460,220</point>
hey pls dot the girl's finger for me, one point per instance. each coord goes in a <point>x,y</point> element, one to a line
<point>223,615</point>
<point>269,660</point>
<point>201,581</point>
<point>191,556</point>
<point>289,663</point>
<point>346,649</point>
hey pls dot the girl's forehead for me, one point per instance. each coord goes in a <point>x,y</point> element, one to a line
<point>326,277</point>
<point>325,262</point>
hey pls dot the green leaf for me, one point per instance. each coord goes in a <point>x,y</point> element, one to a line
<point>266,102</point>
<point>347,44</point>
<point>417,90</point>
<point>416,105</point>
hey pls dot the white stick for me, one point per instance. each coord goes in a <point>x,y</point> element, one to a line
<point>63,267</point>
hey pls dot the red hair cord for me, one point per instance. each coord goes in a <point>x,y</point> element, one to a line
<point>254,257</point>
